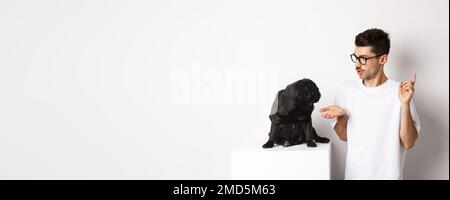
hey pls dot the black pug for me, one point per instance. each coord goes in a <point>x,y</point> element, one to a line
<point>291,116</point>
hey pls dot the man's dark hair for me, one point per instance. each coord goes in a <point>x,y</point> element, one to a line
<point>375,38</point>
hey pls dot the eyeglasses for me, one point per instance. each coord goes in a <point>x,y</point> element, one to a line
<point>362,60</point>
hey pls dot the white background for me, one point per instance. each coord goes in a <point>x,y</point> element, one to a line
<point>166,89</point>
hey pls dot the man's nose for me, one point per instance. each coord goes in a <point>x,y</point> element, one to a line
<point>358,65</point>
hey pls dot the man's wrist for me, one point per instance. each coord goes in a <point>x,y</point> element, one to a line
<point>404,104</point>
<point>344,116</point>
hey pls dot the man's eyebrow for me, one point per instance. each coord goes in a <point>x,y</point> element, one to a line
<point>361,55</point>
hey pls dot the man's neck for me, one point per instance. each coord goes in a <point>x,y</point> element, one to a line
<point>375,82</point>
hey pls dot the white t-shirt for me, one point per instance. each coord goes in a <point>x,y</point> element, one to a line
<point>374,150</point>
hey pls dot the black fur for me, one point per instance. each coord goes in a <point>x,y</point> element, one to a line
<point>291,116</point>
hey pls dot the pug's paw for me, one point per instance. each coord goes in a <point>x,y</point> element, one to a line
<point>322,140</point>
<point>268,144</point>
<point>311,143</point>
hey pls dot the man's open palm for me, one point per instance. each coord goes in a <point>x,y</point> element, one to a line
<point>332,111</point>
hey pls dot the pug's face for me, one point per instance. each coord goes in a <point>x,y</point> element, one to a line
<point>301,96</point>
<point>307,92</point>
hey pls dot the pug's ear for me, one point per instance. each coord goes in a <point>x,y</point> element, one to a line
<point>278,106</point>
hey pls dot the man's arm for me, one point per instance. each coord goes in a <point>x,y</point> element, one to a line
<point>341,127</point>
<point>408,132</point>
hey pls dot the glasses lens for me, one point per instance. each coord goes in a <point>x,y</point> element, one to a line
<point>363,60</point>
<point>353,57</point>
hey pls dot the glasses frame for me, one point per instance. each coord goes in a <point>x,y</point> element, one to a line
<point>359,58</point>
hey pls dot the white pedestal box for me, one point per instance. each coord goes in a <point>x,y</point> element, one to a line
<point>297,162</point>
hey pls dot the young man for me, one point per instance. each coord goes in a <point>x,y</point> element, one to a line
<point>375,115</point>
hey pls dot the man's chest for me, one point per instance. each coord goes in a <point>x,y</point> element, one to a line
<point>372,108</point>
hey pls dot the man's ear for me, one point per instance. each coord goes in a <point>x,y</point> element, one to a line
<point>383,59</point>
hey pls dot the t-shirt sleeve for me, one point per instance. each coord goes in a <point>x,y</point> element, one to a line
<point>414,115</point>
<point>339,100</point>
